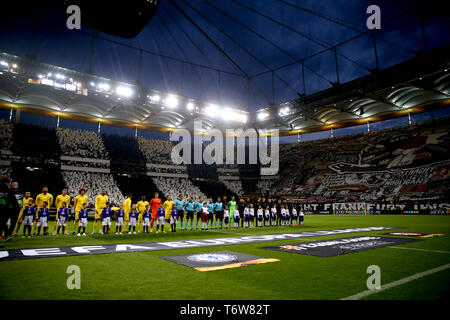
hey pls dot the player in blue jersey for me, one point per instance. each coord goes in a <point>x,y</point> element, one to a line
<point>62,217</point>
<point>133,219</point>
<point>29,213</point>
<point>190,208</point>
<point>179,205</point>
<point>161,213</point>
<point>198,210</point>
<point>120,215</point>
<point>210,206</point>
<point>218,211</point>
<point>106,218</point>
<point>43,217</point>
<point>174,218</point>
<point>146,217</point>
<point>83,218</point>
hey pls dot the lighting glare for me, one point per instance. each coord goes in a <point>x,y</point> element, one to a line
<point>190,106</point>
<point>155,98</point>
<point>171,101</point>
<point>284,111</point>
<point>212,110</point>
<point>104,86</point>
<point>124,91</point>
<point>262,116</point>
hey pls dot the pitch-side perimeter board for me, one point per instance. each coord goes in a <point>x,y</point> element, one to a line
<point>18,254</point>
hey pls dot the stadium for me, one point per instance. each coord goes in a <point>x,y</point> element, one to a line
<point>329,144</point>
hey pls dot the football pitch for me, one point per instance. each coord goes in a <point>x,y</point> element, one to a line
<point>144,275</point>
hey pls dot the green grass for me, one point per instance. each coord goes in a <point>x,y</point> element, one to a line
<point>143,275</point>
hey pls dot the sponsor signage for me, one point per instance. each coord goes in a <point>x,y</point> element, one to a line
<point>374,208</point>
<point>414,234</point>
<point>31,253</point>
<point>34,81</point>
<point>336,247</point>
<point>217,260</point>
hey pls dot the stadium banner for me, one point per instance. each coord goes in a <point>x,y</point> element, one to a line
<point>217,260</point>
<point>32,253</point>
<point>373,208</point>
<point>336,247</point>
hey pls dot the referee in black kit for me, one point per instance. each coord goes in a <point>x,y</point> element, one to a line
<point>9,208</point>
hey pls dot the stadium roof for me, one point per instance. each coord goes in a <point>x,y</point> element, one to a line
<point>303,65</point>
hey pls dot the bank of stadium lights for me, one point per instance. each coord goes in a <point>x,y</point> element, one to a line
<point>171,101</point>
<point>155,98</point>
<point>262,116</point>
<point>190,106</point>
<point>4,64</point>
<point>104,86</point>
<point>124,91</point>
<point>212,110</point>
<point>284,111</point>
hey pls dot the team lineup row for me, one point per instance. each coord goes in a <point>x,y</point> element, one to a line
<point>144,214</point>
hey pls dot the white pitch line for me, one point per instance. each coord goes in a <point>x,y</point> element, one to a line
<point>227,232</point>
<point>397,283</point>
<point>418,249</point>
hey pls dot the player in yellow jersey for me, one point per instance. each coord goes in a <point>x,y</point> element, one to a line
<point>100,203</point>
<point>26,199</point>
<point>126,208</point>
<point>44,196</point>
<point>140,208</point>
<point>167,205</point>
<point>63,197</point>
<point>78,202</point>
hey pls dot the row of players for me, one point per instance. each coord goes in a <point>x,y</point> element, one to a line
<point>144,214</point>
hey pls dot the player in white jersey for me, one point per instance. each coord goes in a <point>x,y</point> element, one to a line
<point>267,217</point>
<point>246,217</point>
<point>133,216</point>
<point>288,216</point>
<point>226,217</point>
<point>294,217</point>
<point>252,215</point>
<point>259,215</point>
<point>273,210</point>
<point>301,217</point>
<point>283,216</point>
<point>237,217</point>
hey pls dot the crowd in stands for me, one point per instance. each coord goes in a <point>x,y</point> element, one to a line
<point>5,171</point>
<point>83,164</point>
<point>234,186</point>
<point>175,186</point>
<point>35,141</point>
<point>93,183</point>
<point>6,135</point>
<point>156,151</point>
<point>264,185</point>
<point>81,143</point>
<point>398,164</point>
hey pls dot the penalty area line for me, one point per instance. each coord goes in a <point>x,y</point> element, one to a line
<point>416,276</point>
